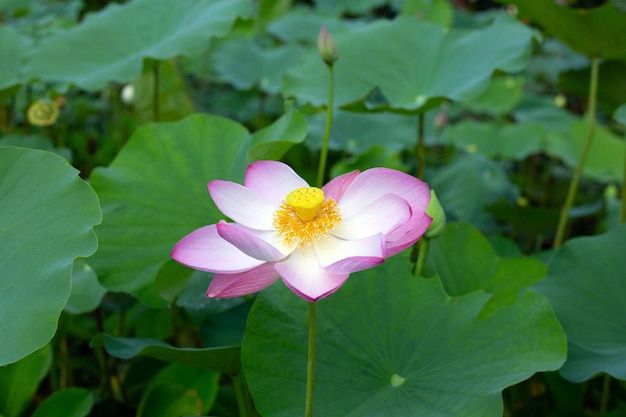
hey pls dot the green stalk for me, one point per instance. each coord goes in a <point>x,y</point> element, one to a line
<point>420,146</point>
<point>321,169</point>
<point>622,213</point>
<point>310,367</point>
<point>573,187</point>
<point>239,395</point>
<point>604,400</point>
<point>155,92</point>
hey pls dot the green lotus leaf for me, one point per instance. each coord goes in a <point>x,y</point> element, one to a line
<point>221,359</point>
<point>245,64</point>
<point>597,32</point>
<point>339,7</point>
<point>426,65</point>
<point>476,266</point>
<point>87,293</point>
<point>12,50</point>
<point>274,140</point>
<point>605,161</point>
<point>469,183</point>
<point>154,193</point>
<point>46,218</point>
<point>111,45</point>
<point>392,345</point>
<point>512,141</point>
<point>19,381</point>
<point>177,391</point>
<point>585,286</point>
<point>70,402</point>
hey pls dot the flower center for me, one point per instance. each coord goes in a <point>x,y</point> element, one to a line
<point>305,215</point>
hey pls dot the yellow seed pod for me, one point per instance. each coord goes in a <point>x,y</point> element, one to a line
<point>43,112</point>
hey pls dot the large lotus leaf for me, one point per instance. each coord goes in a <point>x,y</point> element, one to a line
<point>554,58</point>
<point>300,25</point>
<point>393,345</point>
<point>245,64</point>
<point>46,218</point>
<point>502,95</point>
<point>611,84</point>
<point>425,65</point>
<point>42,143</point>
<point>70,402</point>
<point>112,44</point>
<point>274,140</point>
<point>221,359</point>
<point>597,32</point>
<point>620,114</point>
<point>12,49</point>
<point>514,141</point>
<point>468,184</point>
<point>475,266</point>
<point>585,286</point>
<point>154,193</point>
<point>440,12</point>
<point>605,161</point>
<point>19,381</point>
<point>177,391</point>
<point>347,6</point>
<point>359,132</point>
<point>87,293</point>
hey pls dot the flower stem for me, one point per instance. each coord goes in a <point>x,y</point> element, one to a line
<point>321,169</point>
<point>622,213</point>
<point>573,187</point>
<point>238,386</point>
<point>310,368</point>
<point>604,400</point>
<point>155,92</point>
<point>422,251</point>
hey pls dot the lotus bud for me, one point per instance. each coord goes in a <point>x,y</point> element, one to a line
<point>326,47</point>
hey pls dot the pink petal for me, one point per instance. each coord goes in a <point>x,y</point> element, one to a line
<point>250,243</point>
<point>337,186</point>
<point>249,282</point>
<point>205,250</point>
<point>273,180</point>
<point>375,182</point>
<point>301,272</point>
<point>407,234</point>
<point>379,216</point>
<point>242,205</point>
<point>346,256</point>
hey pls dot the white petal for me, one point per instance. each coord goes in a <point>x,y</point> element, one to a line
<point>379,216</point>
<point>242,205</point>
<point>259,244</point>
<point>301,272</point>
<point>235,285</point>
<point>206,250</point>
<point>346,256</point>
<point>273,180</point>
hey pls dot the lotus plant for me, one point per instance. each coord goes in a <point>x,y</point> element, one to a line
<point>312,238</point>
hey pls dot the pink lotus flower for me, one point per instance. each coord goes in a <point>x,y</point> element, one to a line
<point>313,238</point>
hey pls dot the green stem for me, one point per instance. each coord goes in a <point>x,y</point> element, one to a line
<point>242,395</point>
<point>155,92</point>
<point>604,400</point>
<point>422,251</point>
<point>321,169</point>
<point>573,187</point>
<point>420,146</point>
<point>310,367</point>
<point>622,213</point>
